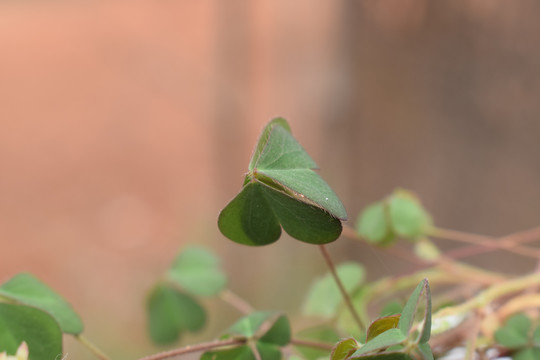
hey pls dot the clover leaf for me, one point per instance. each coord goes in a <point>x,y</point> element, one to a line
<point>266,331</point>
<point>281,190</point>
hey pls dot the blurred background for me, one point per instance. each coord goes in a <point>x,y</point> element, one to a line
<point>125,126</point>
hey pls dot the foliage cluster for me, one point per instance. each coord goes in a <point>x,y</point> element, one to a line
<point>486,314</point>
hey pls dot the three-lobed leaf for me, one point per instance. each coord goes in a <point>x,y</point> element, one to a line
<point>374,224</point>
<point>407,216</point>
<point>515,332</point>
<point>400,214</point>
<point>268,331</point>
<point>282,190</point>
<point>26,289</point>
<point>250,326</point>
<point>279,333</point>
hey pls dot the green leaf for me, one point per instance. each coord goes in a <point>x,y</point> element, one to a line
<point>322,334</point>
<point>37,328</point>
<point>425,330</point>
<point>198,271</point>
<point>384,340</point>
<point>374,224</point>
<point>249,325</point>
<point>294,357</point>
<point>527,354</point>
<point>381,325</point>
<point>536,336</point>
<point>263,140</point>
<point>308,186</point>
<point>344,349</point>
<point>409,311</point>
<point>254,217</point>
<point>281,151</point>
<point>408,217</point>
<point>268,351</point>
<point>26,289</point>
<point>248,219</point>
<point>279,333</point>
<point>275,330</point>
<point>515,332</point>
<point>384,356</point>
<point>425,351</point>
<point>238,353</point>
<point>302,221</point>
<point>281,188</point>
<point>171,312</point>
<point>244,352</point>
<point>324,296</point>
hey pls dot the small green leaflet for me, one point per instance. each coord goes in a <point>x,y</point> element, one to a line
<point>198,271</point>
<point>268,331</point>
<point>37,328</point>
<point>171,313</point>
<point>281,190</point>
<point>392,337</point>
<point>400,214</point>
<point>381,325</point>
<point>25,288</point>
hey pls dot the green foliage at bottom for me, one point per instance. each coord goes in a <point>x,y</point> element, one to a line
<point>172,312</point>
<point>264,332</point>
<point>38,329</point>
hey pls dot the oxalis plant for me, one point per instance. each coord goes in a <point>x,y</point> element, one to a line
<point>476,314</point>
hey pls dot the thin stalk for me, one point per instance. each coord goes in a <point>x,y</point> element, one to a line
<point>236,301</point>
<point>253,346</point>
<point>446,262</point>
<point>483,244</point>
<point>194,348</point>
<point>90,346</point>
<point>346,296</point>
<point>491,294</point>
<point>472,340</point>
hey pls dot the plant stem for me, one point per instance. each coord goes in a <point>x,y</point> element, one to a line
<point>236,301</point>
<point>472,340</point>
<point>194,348</point>
<point>489,295</point>
<point>483,244</point>
<point>346,296</point>
<point>90,346</point>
